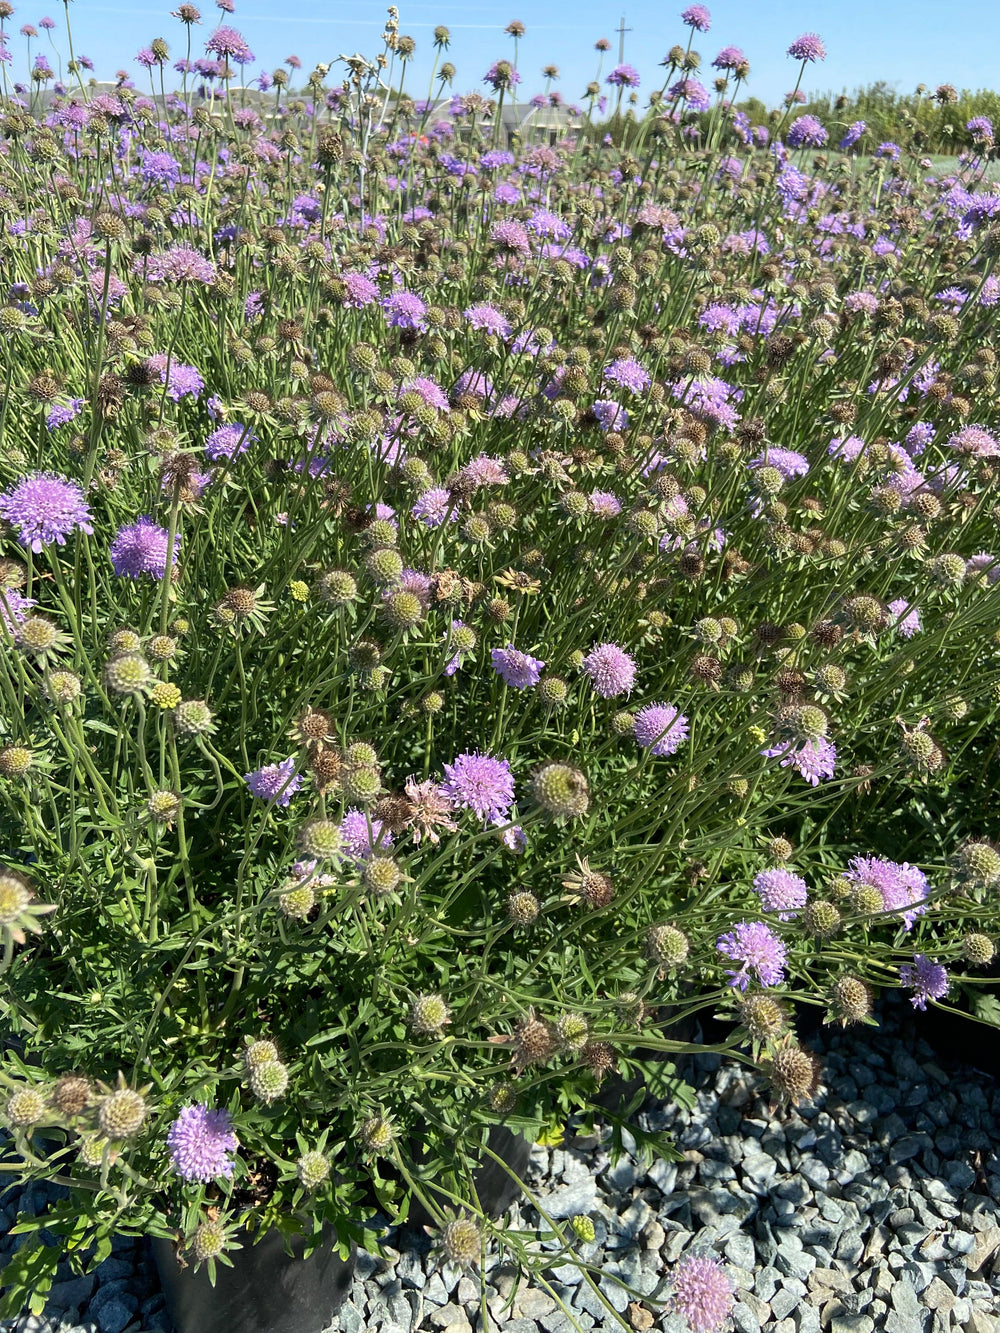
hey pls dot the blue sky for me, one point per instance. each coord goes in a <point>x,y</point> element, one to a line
<point>905,42</point>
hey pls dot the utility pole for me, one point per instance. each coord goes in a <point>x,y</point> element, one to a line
<point>622,30</point>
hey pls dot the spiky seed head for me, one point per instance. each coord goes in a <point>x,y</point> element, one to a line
<point>193,717</point>
<point>840,888</point>
<point>362,786</point>
<point>37,635</point>
<point>552,691</point>
<point>768,480</point>
<point>315,726</point>
<point>738,787</point>
<point>91,1149</point>
<point>793,1074</point>
<point>364,656</point>
<point>852,999</point>
<point>667,945</point>
<point>376,1135</point>
<point>337,587</point>
<point>15,761</point>
<point>208,1242</point>
<point>978,950</point>
<point>821,919</point>
<point>312,1169</point>
<point>432,703</point>
<point>810,723</point>
<point>321,838</point>
<point>780,849</point>
<point>866,614</point>
<point>25,1107</point>
<point>162,648</point>
<point>623,723</point>
<point>763,1016</point>
<point>868,900</point>
<point>381,876</point>
<point>384,567</point>
<point>63,687</point>
<point>268,1080</point>
<point>122,1113</point>
<point>403,610</point>
<point>163,806</point>
<point>128,674</point>
<point>561,791</point>
<point>978,863</point>
<point>522,908</point>
<point>600,1058</point>
<point>259,1052</point>
<point>572,1032</point>
<point>297,903</point>
<point>583,1228</point>
<point>831,679</point>
<point>502,1097</point>
<point>948,570</point>
<point>70,1095</point>
<point>462,1241</point>
<point>429,1015</point>
<point>15,895</point>
<point>534,1042</point>
<point>124,641</point>
<point>165,694</point>
<point>922,751</point>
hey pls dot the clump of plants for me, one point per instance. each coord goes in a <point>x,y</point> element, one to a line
<point>464,611</point>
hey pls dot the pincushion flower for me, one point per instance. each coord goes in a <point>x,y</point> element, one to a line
<point>201,1143</point>
<point>275,783</point>
<point>517,669</point>
<point>700,1292</point>
<point>758,949</point>
<point>927,979</point>
<point>45,508</point>
<point>780,890</point>
<point>611,669</point>
<point>660,728</point>
<point>480,783</point>
<point>141,548</point>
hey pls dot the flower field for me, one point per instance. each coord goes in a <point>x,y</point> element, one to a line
<point>467,603</point>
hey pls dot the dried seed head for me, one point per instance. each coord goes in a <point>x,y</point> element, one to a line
<point>462,1241</point>
<point>793,1074</point>
<point>122,1113</point>
<point>70,1095</point>
<point>978,950</point>
<point>534,1042</point>
<point>561,791</point>
<point>852,1000</point>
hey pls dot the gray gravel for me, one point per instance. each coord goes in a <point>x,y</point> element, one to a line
<point>874,1210</point>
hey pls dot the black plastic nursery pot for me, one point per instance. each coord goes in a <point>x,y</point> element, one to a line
<point>267,1290</point>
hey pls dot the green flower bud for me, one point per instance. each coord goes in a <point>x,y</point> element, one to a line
<point>561,791</point>
<point>313,1169</point>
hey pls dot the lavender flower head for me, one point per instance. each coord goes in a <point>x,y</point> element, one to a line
<point>697,17</point>
<point>405,310</point>
<point>45,508</point>
<point>928,980</point>
<point>700,1293</point>
<point>13,606</point>
<point>361,836</point>
<point>275,782</point>
<point>611,670</point>
<point>781,890</point>
<point>806,132</point>
<point>760,951</point>
<point>479,783</point>
<point>628,373</point>
<point>903,887</point>
<point>660,728</point>
<point>854,132</point>
<point>623,76</point>
<point>808,47</point>
<point>141,548</point>
<point>815,760</point>
<point>200,1143</point>
<point>907,617</point>
<point>518,670</point>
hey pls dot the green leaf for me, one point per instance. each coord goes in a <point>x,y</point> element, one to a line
<point>27,1279</point>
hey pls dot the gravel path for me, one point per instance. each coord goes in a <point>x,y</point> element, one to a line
<point>876,1208</point>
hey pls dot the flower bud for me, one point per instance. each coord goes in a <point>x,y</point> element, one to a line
<point>561,791</point>
<point>268,1080</point>
<point>313,1169</point>
<point>429,1015</point>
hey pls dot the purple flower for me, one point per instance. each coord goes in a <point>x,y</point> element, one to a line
<point>275,782</point>
<point>660,728</point>
<point>510,235</point>
<point>730,57</point>
<point>359,291</point>
<point>975,442</point>
<point>63,413</point>
<point>488,319</point>
<point>141,548</point>
<point>929,980</point>
<point>906,616</point>
<point>501,74</point>
<point>434,507</point>
<point>789,463</point>
<point>808,47</point>
<point>806,132</point>
<point>700,1293</point>
<point>13,607</point>
<point>854,132</point>
<point>609,414</point>
<point>628,373</point>
<point>180,264</point>
<point>518,670</point>
<point>813,759</point>
<point>45,508</point>
<point>480,783</point>
<point>780,890</point>
<point>429,390</point>
<point>759,949</point>
<point>623,76</point>
<point>182,381</point>
<point>605,504</point>
<point>697,17</point>
<point>362,836</point>
<point>200,1143</point>
<point>229,440</point>
<point>903,887</point>
<point>228,42</point>
<point>611,670</point>
<point>405,310</point>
